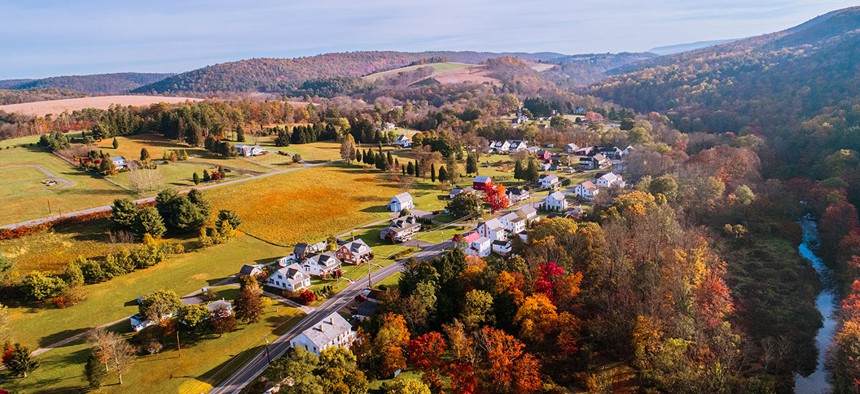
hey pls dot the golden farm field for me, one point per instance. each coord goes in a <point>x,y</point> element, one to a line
<point>309,204</point>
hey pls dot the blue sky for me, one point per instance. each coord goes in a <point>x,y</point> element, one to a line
<point>47,38</point>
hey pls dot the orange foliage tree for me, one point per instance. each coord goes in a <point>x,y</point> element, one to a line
<point>496,197</point>
<point>425,353</point>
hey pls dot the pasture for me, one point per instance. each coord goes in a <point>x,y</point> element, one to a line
<point>115,299</point>
<point>307,205</point>
<point>438,68</point>
<point>42,108</point>
<point>24,196</point>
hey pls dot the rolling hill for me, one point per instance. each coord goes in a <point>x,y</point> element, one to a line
<point>92,84</point>
<point>769,82</point>
<point>285,75</point>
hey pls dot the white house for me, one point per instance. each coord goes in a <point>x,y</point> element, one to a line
<point>571,148</point>
<point>251,270</point>
<point>333,330</point>
<point>400,229</point>
<point>402,141</point>
<point>517,145</point>
<point>501,247</point>
<point>321,264</point>
<point>516,194</point>
<point>586,190</point>
<point>529,213</point>
<point>548,181</point>
<point>514,223</point>
<point>610,180</point>
<point>119,162</point>
<point>400,202</point>
<point>492,229</point>
<point>291,277</point>
<point>250,150</point>
<point>220,304</point>
<point>301,251</point>
<point>500,146</point>
<point>481,247</point>
<point>555,202</point>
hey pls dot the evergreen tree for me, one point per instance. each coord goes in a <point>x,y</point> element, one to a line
<point>94,371</point>
<point>240,134</point>
<point>389,158</point>
<point>433,172</point>
<point>403,170</point>
<point>123,214</point>
<point>443,174</point>
<point>410,169</point>
<point>206,177</point>
<point>518,170</point>
<point>148,221</point>
<point>19,361</point>
<point>115,143</point>
<point>532,171</point>
<point>144,155</point>
<point>472,164</point>
<point>358,158</point>
<point>195,178</point>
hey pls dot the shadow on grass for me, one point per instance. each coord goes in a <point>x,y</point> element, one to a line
<point>59,336</point>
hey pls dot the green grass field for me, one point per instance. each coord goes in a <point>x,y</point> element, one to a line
<point>438,68</point>
<point>24,197</point>
<point>195,369</point>
<point>115,299</point>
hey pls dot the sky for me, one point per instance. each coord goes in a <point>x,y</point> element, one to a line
<point>44,38</point>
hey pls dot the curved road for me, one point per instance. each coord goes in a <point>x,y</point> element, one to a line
<point>105,208</point>
<point>277,348</point>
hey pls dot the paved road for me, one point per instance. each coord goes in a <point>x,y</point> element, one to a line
<point>105,208</point>
<point>258,364</point>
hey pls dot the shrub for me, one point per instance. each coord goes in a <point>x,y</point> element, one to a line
<point>40,286</point>
<point>306,296</point>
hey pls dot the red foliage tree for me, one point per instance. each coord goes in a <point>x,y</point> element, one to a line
<point>306,296</point>
<point>504,366</point>
<point>496,197</point>
<point>425,353</point>
<point>463,379</point>
<point>549,275</point>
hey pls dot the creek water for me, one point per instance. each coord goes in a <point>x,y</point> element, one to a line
<point>817,382</point>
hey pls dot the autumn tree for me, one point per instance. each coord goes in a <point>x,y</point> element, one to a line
<point>477,310</point>
<point>496,197</point>
<point>347,149</point>
<point>248,305</point>
<point>19,360</point>
<point>159,305</point>
<point>222,321</point>
<point>389,343</point>
<point>503,365</point>
<point>425,353</point>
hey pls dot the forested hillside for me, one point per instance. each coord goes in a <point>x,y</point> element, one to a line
<point>587,69</point>
<point>97,83</point>
<point>287,75</point>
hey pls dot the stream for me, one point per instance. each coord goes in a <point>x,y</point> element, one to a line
<point>817,381</point>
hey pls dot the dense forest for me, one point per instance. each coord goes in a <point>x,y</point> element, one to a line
<point>93,84</point>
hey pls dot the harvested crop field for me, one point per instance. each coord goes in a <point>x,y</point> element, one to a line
<point>309,204</point>
<point>42,108</point>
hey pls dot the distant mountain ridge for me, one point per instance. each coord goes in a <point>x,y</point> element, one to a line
<point>94,84</point>
<point>281,75</point>
<point>688,46</point>
<point>769,81</point>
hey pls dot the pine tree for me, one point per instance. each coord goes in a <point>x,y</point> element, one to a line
<point>115,143</point>
<point>358,158</point>
<point>433,172</point>
<point>518,170</point>
<point>195,178</point>
<point>240,134</point>
<point>403,170</point>
<point>144,155</point>
<point>206,177</point>
<point>472,164</point>
<point>94,371</point>
<point>390,159</point>
<point>410,169</point>
<point>443,174</point>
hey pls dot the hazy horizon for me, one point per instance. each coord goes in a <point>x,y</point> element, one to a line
<point>92,37</point>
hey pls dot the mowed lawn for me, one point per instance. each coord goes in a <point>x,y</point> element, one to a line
<point>52,249</point>
<point>115,299</point>
<point>202,364</point>
<point>307,205</point>
<point>23,196</point>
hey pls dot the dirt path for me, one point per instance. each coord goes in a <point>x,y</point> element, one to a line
<point>47,173</point>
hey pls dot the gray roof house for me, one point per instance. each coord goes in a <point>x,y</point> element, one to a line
<point>400,202</point>
<point>334,330</point>
<point>291,277</point>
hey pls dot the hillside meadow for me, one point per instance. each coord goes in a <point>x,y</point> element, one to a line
<point>42,108</point>
<point>307,205</point>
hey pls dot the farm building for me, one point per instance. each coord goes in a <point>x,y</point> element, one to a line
<point>457,190</point>
<point>482,182</point>
<point>400,202</point>
<point>291,277</point>
<point>571,148</point>
<point>334,330</point>
<point>354,252</point>
<point>250,150</point>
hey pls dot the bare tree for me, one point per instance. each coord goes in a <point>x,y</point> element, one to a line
<point>123,357</point>
<point>145,180</point>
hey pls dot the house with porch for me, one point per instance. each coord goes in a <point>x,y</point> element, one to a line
<point>555,202</point>
<point>291,277</point>
<point>400,229</point>
<point>354,252</point>
<point>321,264</point>
<point>332,331</point>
